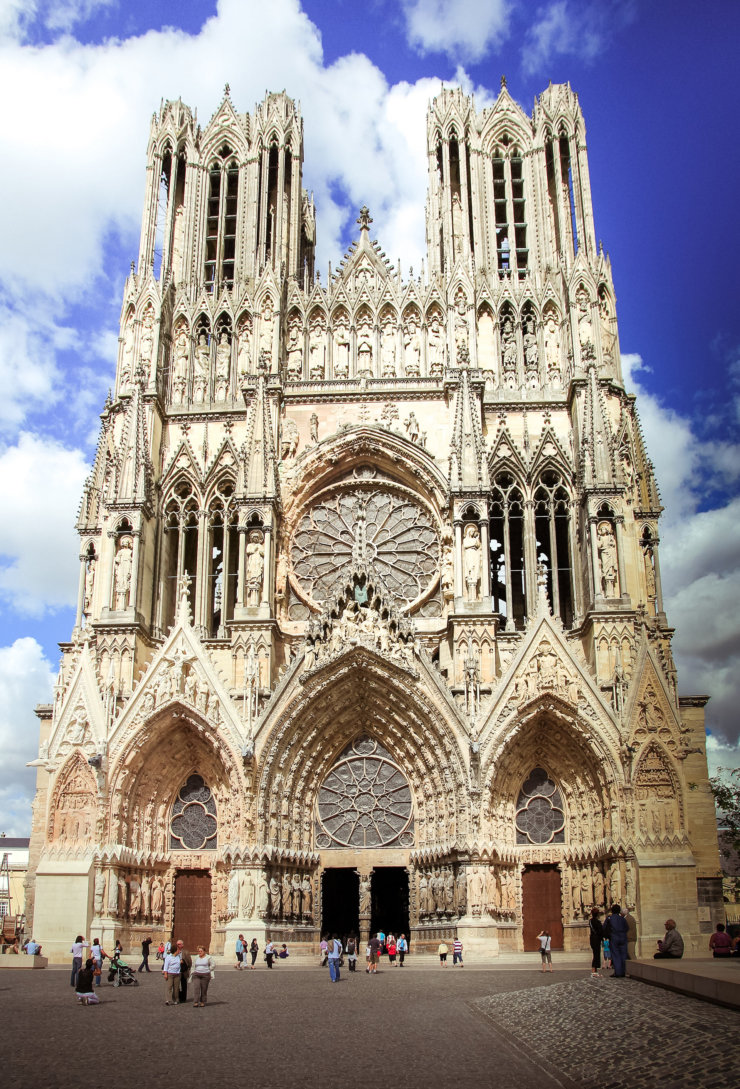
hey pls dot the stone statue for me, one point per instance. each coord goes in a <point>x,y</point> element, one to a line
<point>274,897</point>
<point>314,432</point>
<point>531,356</point>
<point>255,566</point>
<point>122,574</point>
<point>317,350</point>
<point>509,355</point>
<point>462,891</point>
<point>295,894</point>
<point>135,902</point>
<point>449,891</point>
<point>178,244</point>
<point>244,349</point>
<point>307,894</point>
<point>262,895</point>
<point>388,349</point>
<point>146,895</point>
<point>462,343</point>
<point>232,903</point>
<point>180,366</point>
<point>147,343</point>
<point>157,899</point>
<point>341,348</point>
<point>365,347</point>
<point>472,562</point>
<point>365,902</point>
<point>435,348</point>
<point>99,900</point>
<point>113,894</point>
<point>246,896</point>
<point>267,326</point>
<point>423,894</point>
<point>127,354</point>
<point>552,351</point>
<point>223,366</point>
<point>607,549</point>
<point>89,585</point>
<point>598,887</point>
<point>289,439</point>
<point>295,353</point>
<point>448,574</point>
<point>585,329</point>
<point>412,349</point>
<point>475,891</point>
<point>412,427</point>
<point>201,368</point>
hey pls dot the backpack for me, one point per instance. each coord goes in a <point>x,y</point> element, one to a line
<point>351,947</point>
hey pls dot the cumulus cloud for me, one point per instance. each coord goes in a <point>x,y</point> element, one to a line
<point>40,488</point>
<point>563,28</point>
<point>464,30</point>
<point>26,678</point>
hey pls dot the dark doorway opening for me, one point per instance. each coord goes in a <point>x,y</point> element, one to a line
<point>542,907</point>
<point>192,920</point>
<point>340,902</point>
<point>390,901</point>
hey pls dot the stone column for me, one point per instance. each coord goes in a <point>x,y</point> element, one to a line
<point>242,530</point>
<point>658,583</point>
<point>365,906</point>
<point>133,597</point>
<point>485,578</point>
<point>458,562</point>
<point>619,532</point>
<point>267,568</point>
<point>81,589</point>
<point>595,560</point>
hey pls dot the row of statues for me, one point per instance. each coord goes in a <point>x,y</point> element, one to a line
<point>597,884</point>
<point>131,896</point>
<point>359,625</point>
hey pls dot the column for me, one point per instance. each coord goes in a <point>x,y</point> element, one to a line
<point>507,569</point>
<point>458,561</point>
<point>242,530</point>
<point>81,590</point>
<point>595,560</point>
<point>202,572</point>
<point>656,569</point>
<point>619,528</point>
<point>462,158</point>
<point>280,226</point>
<point>485,582</point>
<point>133,597</point>
<point>575,581</point>
<point>554,565</point>
<point>267,568</point>
<point>446,201</point>
<point>530,558</point>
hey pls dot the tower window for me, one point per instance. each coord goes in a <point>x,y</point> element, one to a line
<point>508,576</point>
<point>509,211</point>
<point>223,192</point>
<point>552,532</point>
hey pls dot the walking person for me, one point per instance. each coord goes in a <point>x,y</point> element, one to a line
<point>391,948</point>
<point>457,952</point>
<point>615,929</point>
<point>240,952</point>
<point>144,966</point>
<point>333,956</point>
<point>374,948</point>
<point>324,947</point>
<point>351,950</point>
<point>269,953</point>
<point>204,968</point>
<point>545,940</point>
<point>595,938</point>
<point>186,963</point>
<point>171,972</point>
<point>254,949</point>
<point>98,955</point>
<point>443,951</point>
<point>78,946</point>
<point>403,947</point>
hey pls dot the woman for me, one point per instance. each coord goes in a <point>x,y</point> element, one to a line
<point>253,951</point>
<point>98,955</point>
<point>84,987</point>
<point>443,951</point>
<point>202,974</point>
<point>403,947</point>
<point>283,954</point>
<point>239,952</point>
<point>269,953</point>
<point>720,942</point>
<point>77,947</point>
<point>390,945</point>
<point>595,938</point>
<point>545,940</point>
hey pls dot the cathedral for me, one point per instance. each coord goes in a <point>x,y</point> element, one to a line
<point>370,630</point>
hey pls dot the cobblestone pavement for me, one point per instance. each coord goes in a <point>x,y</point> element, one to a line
<point>407,1028</point>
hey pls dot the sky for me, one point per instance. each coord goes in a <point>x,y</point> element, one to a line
<point>79,81</point>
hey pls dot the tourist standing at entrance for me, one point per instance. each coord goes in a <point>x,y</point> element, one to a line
<point>171,973</point>
<point>144,966</point>
<point>457,951</point>
<point>351,950</point>
<point>77,947</point>
<point>443,951</point>
<point>269,953</point>
<point>334,953</point>
<point>324,947</point>
<point>239,952</point>
<point>391,948</point>
<point>254,949</point>
<point>203,969</point>
<point>615,929</point>
<point>545,940</point>
<point>403,947</point>
<point>374,954</point>
<point>595,938</point>
<point>186,963</point>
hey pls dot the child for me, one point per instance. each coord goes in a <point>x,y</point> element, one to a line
<point>606,953</point>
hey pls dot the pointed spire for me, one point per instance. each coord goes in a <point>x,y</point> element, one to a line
<point>597,440</point>
<point>260,460</point>
<point>135,467</point>
<point>468,466</point>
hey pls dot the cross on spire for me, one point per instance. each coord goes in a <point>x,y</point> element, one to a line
<point>365,219</point>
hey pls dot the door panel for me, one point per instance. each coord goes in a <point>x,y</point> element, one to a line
<point>193,908</point>
<point>542,907</point>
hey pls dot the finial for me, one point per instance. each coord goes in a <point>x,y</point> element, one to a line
<point>503,82</point>
<point>227,90</point>
<point>365,218</point>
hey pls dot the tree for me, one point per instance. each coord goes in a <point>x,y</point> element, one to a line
<point>725,787</point>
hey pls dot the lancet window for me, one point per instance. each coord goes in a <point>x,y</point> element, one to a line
<point>552,523</point>
<point>539,811</point>
<point>221,215</point>
<point>179,549</point>
<point>508,576</point>
<point>509,206</point>
<point>560,186</point>
<point>223,558</point>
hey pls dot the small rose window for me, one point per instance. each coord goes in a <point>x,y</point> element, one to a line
<point>539,811</point>
<point>193,825</point>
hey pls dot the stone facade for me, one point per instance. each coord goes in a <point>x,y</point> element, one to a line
<point>369,567</point>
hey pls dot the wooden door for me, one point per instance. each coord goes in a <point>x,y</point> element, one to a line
<point>542,907</point>
<point>192,919</point>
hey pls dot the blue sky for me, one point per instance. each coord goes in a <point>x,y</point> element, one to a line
<point>79,80</point>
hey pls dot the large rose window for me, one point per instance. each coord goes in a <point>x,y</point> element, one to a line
<point>193,824</point>
<point>539,811</point>
<point>365,801</point>
<point>387,530</point>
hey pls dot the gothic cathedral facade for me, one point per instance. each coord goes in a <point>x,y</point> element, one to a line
<point>370,629</point>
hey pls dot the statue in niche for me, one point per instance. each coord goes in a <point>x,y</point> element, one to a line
<point>146,895</point>
<point>587,892</point>
<point>267,328</point>
<point>607,336</point>
<point>462,891</point>
<point>307,893</point>
<point>255,567</point>
<point>178,244</point>
<point>223,366</point>
<point>650,587</point>
<point>127,355</point>
<point>180,367</point>
<point>247,896</point>
<point>449,891</point>
<point>509,354</point>
<point>412,349</point>
<point>462,340</point>
<point>201,368</point>
<point>317,350</point>
<point>99,897</point>
<point>122,896</point>
<point>423,894</point>
<point>294,353</point>
<point>607,550</point>
<point>314,429</point>
<point>435,348</point>
<point>472,562</point>
<point>388,349</point>
<point>157,899</point>
<point>475,891</point>
<point>232,902</point>
<point>486,342</point>
<point>244,347</point>
<point>135,892</point>
<point>113,894</point>
<point>274,897</point>
<point>365,347</point>
<point>122,568</point>
<point>286,893</point>
<point>585,328</point>
<point>448,574</point>
<point>90,564</point>
<point>457,226</point>
<point>552,350</point>
<point>531,356</point>
<point>598,887</point>
<point>147,343</point>
<point>295,895</point>
<point>262,895</point>
<point>341,348</point>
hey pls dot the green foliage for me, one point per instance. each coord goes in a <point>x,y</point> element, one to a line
<point>726,790</point>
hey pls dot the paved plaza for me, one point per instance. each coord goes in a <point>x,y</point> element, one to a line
<point>421,1026</point>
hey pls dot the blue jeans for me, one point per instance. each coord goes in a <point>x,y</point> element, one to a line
<point>456,958</point>
<point>334,968</point>
<point>76,965</point>
<point>619,956</point>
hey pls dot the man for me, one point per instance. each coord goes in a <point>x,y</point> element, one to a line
<point>631,933</point>
<point>269,953</point>
<point>615,929</point>
<point>144,966</point>
<point>375,947</point>
<point>171,972</point>
<point>403,948</point>
<point>335,952</point>
<point>352,953</point>
<point>186,963</point>
<point>671,948</point>
<point>457,951</point>
<point>31,948</point>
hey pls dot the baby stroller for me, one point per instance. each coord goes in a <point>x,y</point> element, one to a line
<point>120,975</point>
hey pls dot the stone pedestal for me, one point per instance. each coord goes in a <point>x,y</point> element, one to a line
<point>250,928</point>
<point>22,960</point>
<point>478,935</point>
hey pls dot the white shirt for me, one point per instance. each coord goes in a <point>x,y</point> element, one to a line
<point>171,964</point>
<point>77,948</point>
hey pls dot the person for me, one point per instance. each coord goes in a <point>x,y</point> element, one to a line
<point>443,951</point>
<point>253,951</point>
<point>545,940</point>
<point>239,952</point>
<point>98,955</point>
<point>391,948</point>
<point>615,929</point>
<point>118,951</point>
<point>203,971</point>
<point>595,938</point>
<point>84,986</point>
<point>457,952</point>
<point>160,951</point>
<point>381,939</point>
<point>324,946</point>
<point>269,953</point>
<point>720,942</point>
<point>167,947</point>
<point>77,946</point>
<point>144,966</point>
<point>283,954</point>
<point>368,957</point>
<point>606,950</point>
<point>631,934</point>
<point>671,948</point>
<point>374,954</point>
<point>403,947</point>
<point>351,951</point>
<point>171,973</point>
<point>186,963</point>
<point>333,955</point>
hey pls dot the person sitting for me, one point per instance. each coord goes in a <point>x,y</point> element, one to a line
<point>671,947</point>
<point>720,942</point>
<point>283,954</point>
<point>84,984</point>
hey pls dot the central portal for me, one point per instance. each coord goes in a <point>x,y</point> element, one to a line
<point>390,901</point>
<point>340,903</point>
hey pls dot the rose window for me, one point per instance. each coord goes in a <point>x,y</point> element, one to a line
<point>539,811</point>
<point>365,801</point>
<point>193,824</point>
<point>388,531</point>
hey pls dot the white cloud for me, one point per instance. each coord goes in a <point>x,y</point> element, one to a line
<point>462,29</point>
<point>26,678</point>
<point>28,368</point>
<point>563,28</point>
<point>40,488</point>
